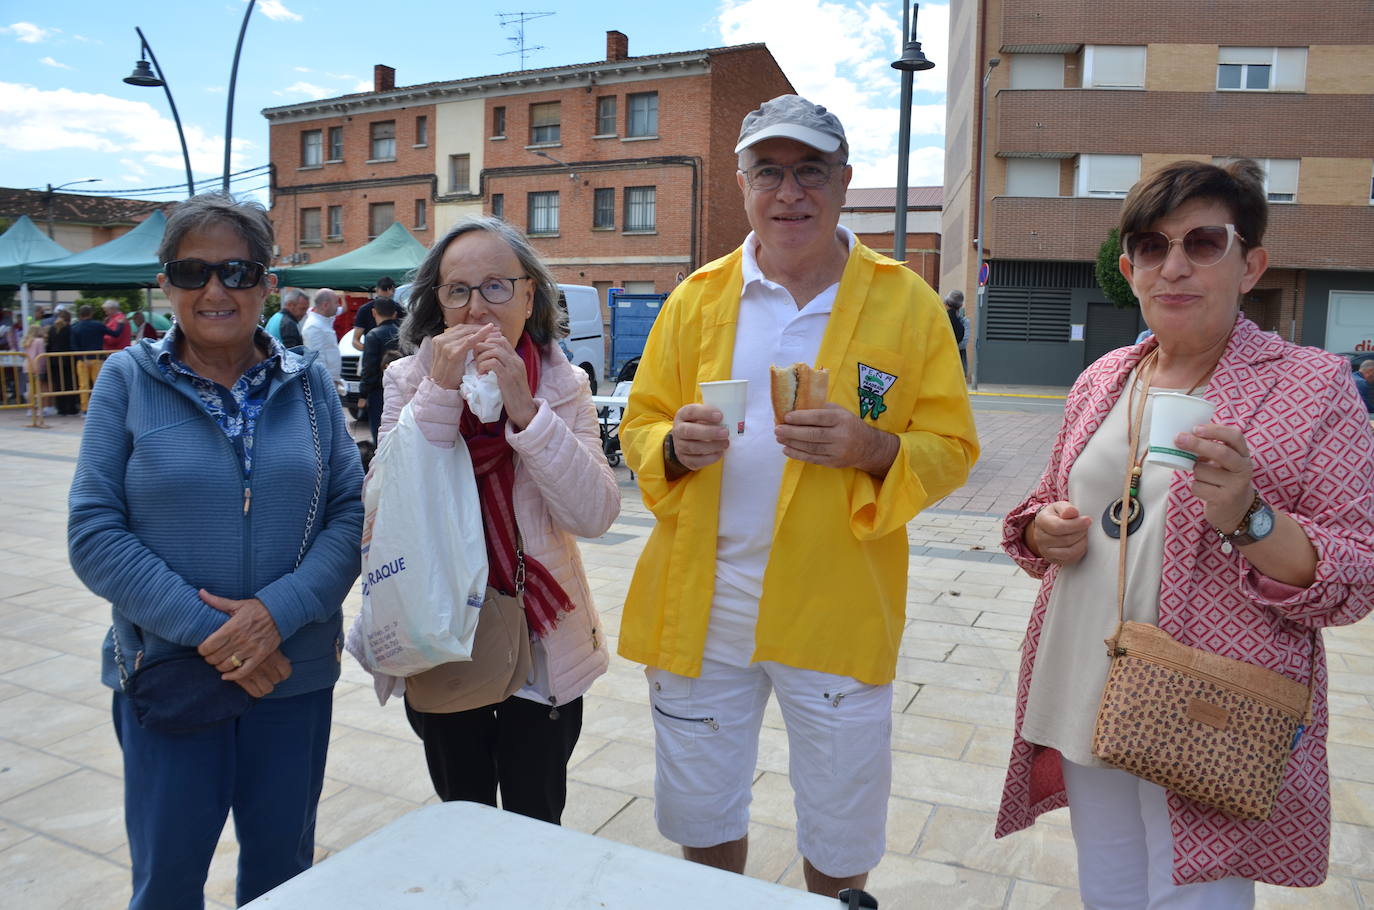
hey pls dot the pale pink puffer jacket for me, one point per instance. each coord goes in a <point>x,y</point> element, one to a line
<point>564,489</point>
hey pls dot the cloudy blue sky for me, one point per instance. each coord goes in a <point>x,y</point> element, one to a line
<point>66,115</point>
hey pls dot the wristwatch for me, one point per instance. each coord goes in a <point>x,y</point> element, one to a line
<point>670,454</point>
<point>1257,524</point>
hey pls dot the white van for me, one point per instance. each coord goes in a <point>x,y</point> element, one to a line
<point>586,341</point>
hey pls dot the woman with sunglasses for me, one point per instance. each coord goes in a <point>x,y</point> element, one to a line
<point>216,505</point>
<point>482,294</point>
<point>1268,539</point>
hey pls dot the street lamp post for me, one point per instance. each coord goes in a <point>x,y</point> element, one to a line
<point>52,195</point>
<point>912,61</point>
<point>233,79</point>
<point>980,306</point>
<point>143,75</point>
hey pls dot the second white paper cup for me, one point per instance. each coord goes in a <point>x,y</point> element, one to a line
<point>728,395</point>
<point>1173,413</point>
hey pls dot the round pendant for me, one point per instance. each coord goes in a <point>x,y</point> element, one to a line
<point>1226,547</point>
<point>1111,517</point>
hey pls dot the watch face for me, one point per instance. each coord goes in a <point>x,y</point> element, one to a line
<point>1261,523</point>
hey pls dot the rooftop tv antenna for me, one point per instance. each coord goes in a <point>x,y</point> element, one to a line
<point>518,20</point>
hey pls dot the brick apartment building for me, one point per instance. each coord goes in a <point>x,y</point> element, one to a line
<point>1090,97</point>
<point>871,214</point>
<point>622,171</point>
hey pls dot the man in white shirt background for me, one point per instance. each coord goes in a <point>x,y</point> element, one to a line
<point>317,329</point>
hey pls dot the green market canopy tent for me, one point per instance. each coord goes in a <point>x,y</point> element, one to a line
<point>20,247</point>
<point>128,261</point>
<point>394,253</point>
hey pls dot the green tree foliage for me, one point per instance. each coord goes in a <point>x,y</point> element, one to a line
<point>1108,273</point>
<point>129,299</point>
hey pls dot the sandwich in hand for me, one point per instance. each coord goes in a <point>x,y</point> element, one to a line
<point>797,388</point>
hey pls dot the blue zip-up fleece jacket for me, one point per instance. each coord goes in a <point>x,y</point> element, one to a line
<point>160,508</point>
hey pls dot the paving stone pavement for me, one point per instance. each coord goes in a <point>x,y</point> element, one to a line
<point>62,840</point>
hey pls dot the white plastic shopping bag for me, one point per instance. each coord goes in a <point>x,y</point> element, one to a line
<point>424,556</point>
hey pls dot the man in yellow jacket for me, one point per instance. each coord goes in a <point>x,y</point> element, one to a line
<point>778,562</point>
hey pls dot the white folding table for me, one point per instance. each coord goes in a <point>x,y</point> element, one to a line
<point>454,855</point>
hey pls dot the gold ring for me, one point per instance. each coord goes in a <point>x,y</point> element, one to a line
<point>234,659</point>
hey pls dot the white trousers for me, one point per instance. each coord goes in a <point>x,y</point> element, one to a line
<point>1125,847</point>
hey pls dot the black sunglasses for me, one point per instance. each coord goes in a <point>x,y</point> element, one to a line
<point>234,274</point>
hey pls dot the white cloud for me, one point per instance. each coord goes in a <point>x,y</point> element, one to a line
<point>27,32</point>
<point>277,11</point>
<point>852,75</point>
<point>925,167</point>
<point>307,89</point>
<point>363,85</point>
<point>34,120</point>
<point>48,61</point>
<point>302,69</point>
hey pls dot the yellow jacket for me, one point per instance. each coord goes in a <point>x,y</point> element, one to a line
<point>834,591</point>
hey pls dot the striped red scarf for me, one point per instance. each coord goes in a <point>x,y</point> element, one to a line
<point>493,461</point>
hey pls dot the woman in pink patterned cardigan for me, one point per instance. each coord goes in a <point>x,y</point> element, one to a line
<point>1269,539</point>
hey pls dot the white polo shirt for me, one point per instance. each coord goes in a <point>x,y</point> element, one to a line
<point>771,330</point>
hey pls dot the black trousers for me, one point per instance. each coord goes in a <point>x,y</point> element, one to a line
<point>515,745</point>
<point>375,403</point>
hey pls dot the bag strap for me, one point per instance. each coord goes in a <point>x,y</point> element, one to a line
<point>319,468</point>
<point>119,659</point>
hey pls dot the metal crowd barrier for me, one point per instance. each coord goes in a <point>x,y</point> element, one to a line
<point>61,374</point>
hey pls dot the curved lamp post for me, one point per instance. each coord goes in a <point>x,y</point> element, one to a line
<point>233,79</point>
<point>145,76</point>
<point>912,61</point>
<point>980,305</point>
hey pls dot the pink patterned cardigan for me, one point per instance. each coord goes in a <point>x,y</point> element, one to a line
<point>1310,440</point>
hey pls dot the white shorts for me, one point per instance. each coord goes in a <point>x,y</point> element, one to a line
<point>839,735</point>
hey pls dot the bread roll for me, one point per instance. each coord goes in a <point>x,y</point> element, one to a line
<point>797,387</point>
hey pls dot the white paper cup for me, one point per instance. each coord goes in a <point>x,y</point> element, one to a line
<point>728,395</point>
<point>1172,413</point>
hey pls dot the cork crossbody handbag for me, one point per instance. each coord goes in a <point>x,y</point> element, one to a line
<point>1212,729</point>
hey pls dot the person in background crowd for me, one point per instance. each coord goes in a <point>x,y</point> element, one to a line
<point>63,373</point>
<point>954,303</point>
<point>9,331</point>
<point>1364,382</point>
<point>294,305</point>
<point>317,333</point>
<point>365,319</point>
<point>273,326</point>
<point>385,337</point>
<point>1269,539</point>
<point>120,336</point>
<point>34,344</point>
<point>163,523</point>
<point>140,327</point>
<point>89,333</point>
<point>727,602</point>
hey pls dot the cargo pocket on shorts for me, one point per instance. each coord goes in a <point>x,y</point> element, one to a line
<point>856,734</point>
<point>670,696</point>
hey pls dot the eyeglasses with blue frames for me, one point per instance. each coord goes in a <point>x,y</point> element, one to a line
<point>811,175</point>
<point>1203,246</point>
<point>495,291</point>
<point>194,274</point>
